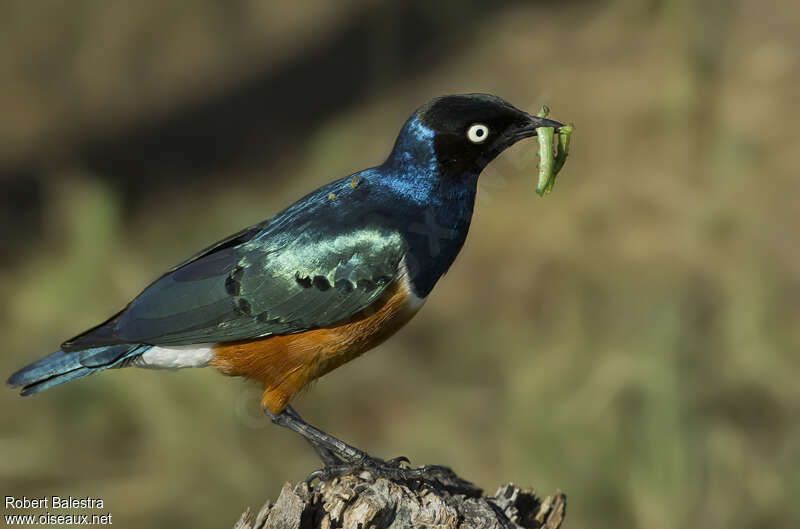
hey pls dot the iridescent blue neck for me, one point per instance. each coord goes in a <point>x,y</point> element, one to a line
<point>413,156</point>
<point>434,208</point>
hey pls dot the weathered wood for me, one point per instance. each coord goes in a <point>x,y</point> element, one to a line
<point>362,502</point>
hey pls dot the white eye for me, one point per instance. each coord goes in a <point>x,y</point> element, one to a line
<point>477,133</point>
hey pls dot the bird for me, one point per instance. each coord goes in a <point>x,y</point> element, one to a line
<point>289,299</point>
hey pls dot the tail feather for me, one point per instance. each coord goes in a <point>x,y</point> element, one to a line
<point>63,366</point>
<point>47,383</point>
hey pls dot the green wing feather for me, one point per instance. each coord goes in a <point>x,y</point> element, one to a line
<point>256,290</point>
<point>313,265</point>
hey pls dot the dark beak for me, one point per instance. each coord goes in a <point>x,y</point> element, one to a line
<point>534,122</point>
<point>526,129</point>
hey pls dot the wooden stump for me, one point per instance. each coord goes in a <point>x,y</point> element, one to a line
<point>363,502</point>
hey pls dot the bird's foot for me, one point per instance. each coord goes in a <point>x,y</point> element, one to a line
<point>396,469</point>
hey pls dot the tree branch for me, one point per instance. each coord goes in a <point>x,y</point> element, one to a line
<point>361,501</point>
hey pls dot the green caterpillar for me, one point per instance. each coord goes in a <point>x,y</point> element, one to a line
<point>551,159</point>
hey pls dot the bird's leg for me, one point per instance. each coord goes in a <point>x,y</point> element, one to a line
<point>341,459</point>
<point>321,441</point>
<point>329,459</point>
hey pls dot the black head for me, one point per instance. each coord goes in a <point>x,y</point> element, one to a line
<point>470,130</point>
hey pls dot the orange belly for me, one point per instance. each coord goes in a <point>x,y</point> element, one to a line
<point>285,364</point>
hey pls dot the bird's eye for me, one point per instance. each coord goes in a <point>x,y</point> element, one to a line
<point>477,133</point>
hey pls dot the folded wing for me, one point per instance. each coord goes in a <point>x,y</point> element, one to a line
<point>256,284</point>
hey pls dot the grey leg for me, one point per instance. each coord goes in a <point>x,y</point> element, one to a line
<point>328,458</point>
<point>341,459</point>
<point>320,440</point>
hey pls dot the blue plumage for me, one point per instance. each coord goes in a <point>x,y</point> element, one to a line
<point>61,366</point>
<point>324,259</point>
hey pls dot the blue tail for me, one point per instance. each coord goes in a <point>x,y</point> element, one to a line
<point>61,366</point>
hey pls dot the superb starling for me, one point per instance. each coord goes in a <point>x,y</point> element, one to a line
<point>328,278</point>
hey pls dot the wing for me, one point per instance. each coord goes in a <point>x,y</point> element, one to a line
<point>256,289</point>
<point>261,284</point>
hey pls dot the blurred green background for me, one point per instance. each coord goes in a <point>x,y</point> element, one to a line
<point>632,339</point>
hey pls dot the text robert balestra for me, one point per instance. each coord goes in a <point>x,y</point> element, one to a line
<point>53,502</point>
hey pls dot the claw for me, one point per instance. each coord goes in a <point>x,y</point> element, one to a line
<point>398,461</point>
<point>321,474</point>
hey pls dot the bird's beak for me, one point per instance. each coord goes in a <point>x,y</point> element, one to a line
<point>533,123</point>
<point>526,128</point>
